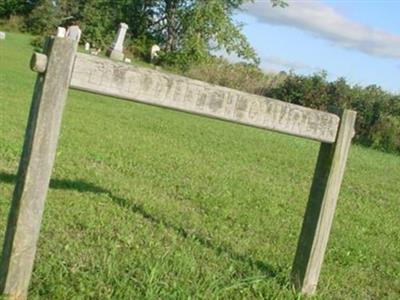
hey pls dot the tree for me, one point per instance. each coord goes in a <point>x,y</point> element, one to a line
<point>16,7</point>
<point>189,30</point>
<point>44,18</point>
<point>71,8</point>
<point>281,3</point>
<point>99,22</point>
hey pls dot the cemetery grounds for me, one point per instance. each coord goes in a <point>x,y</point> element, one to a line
<point>147,203</point>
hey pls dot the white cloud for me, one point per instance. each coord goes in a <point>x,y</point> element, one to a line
<point>282,62</point>
<point>323,21</point>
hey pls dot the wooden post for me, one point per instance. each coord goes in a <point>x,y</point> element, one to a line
<point>321,207</point>
<point>36,165</point>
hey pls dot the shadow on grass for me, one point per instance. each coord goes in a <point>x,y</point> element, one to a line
<point>87,187</point>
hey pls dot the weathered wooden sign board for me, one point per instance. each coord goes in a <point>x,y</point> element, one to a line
<point>61,68</point>
<point>162,89</point>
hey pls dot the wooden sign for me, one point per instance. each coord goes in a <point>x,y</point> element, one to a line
<point>107,77</point>
<point>60,67</point>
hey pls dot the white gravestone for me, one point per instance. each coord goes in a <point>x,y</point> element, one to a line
<point>74,33</point>
<point>61,32</point>
<point>87,46</point>
<point>116,51</point>
<point>154,52</point>
<point>2,35</point>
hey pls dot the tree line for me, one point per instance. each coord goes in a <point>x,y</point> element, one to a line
<point>189,32</point>
<point>378,111</point>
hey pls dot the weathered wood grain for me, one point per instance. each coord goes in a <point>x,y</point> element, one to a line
<point>35,169</point>
<point>153,87</point>
<point>321,207</point>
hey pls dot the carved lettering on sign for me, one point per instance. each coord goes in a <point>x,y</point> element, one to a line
<point>254,111</point>
<point>191,96</point>
<point>161,88</point>
<point>154,87</point>
<point>201,101</point>
<point>230,104</point>
<point>216,103</point>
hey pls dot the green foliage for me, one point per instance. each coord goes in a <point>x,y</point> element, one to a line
<point>200,27</point>
<point>310,91</point>
<point>281,3</point>
<point>37,42</point>
<point>99,23</point>
<point>44,18</point>
<point>187,30</point>
<point>377,110</point>
<point>139,48</point>
<point>240,76</point>
<point>10,8</point>
<point>386,133</point>
<point>13,23</point>
<point>72,8</point>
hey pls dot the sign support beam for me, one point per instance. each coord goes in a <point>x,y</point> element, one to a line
<point>321,207</point>
<point>36,165</point>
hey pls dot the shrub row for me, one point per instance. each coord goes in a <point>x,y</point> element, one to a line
<point>378,119</point>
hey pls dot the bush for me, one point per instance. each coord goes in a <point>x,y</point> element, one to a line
<point>240,76</point>
<point>11,8</point>
<point>378,112</point>
<point>44,19</point>
<point>13,23</point>
<point>385,135</point>
<point>139,47</point>
<point>37,42</point>
<point>311,91</point>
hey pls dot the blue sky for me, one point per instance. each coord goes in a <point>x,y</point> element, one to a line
<point>356,39</point>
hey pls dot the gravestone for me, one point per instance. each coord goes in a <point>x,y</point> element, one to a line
<point>155,49</point>
<point>61,31</point>
<point>87,47</point>
<point>74,33</point>
<point>2,35</point>
<point>116,51</point>
<point>61,68</point>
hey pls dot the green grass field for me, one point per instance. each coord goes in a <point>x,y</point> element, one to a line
<point>147,203</point>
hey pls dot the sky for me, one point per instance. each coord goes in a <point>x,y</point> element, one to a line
<point>355,39</point>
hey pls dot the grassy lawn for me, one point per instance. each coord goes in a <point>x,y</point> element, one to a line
<point>147,203</point>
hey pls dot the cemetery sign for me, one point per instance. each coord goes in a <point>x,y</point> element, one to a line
<point>60,67</point>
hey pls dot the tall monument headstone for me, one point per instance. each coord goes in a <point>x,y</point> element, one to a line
<point>116,51</point>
